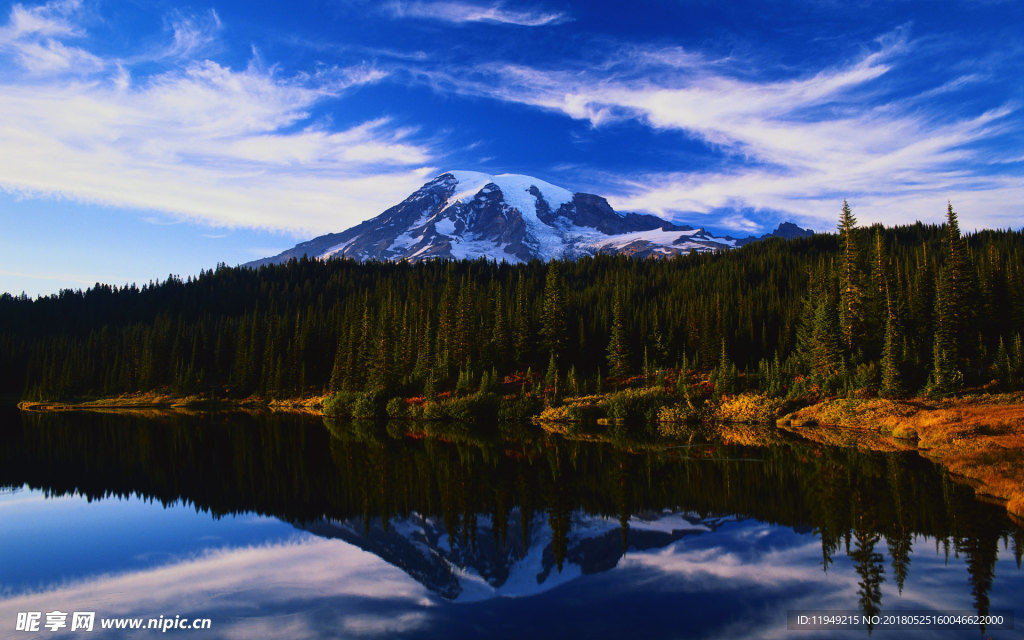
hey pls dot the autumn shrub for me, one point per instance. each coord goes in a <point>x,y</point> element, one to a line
<point>675,418</point>
<point>575,409</point>
<point>584,408</point>
<point>369,405</point>
<point>480,407</point>
<point>554,414</point>
<point>433,410</point>
<point>340,404</point>
<point>396,408</point>
<point>518,408</point>
<point>635,405</point>
<point>749,407</point>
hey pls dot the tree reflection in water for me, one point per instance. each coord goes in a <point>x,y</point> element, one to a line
<point>304,470</point>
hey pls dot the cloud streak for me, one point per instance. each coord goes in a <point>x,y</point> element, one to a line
<point>461,12</point>
<point>34,37</point>
<point>199,140</point>
<point>797,145</point>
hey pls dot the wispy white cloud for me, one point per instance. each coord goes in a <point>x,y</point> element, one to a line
<point>462,12</point>
<point>48,20</point>
<point>797,145</point>
<point>198,140</point>
<point>192,34</point>
<point>33,37</point>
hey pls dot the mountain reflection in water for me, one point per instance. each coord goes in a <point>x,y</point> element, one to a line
<point>486,518</point>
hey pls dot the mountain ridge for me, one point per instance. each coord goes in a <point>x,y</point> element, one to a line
<point>510,217</point>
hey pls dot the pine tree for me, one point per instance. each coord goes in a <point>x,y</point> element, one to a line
<point>521,325</point>
<point>1001,364</point>
<point>826,351</point>
<point>851,291</point>
<point>957,289</point>
<point>499,331</point>
<point>553,320</point>
<point>725,373</point>
<point>551,382</point>
<point>337,381</point>
<point>1017,360</point>
<point>892,385</point>
<point>946,376</point>
<point>463,337</point>
<point>618,347</point>
<point>425,355</point>
<point>381,372</point>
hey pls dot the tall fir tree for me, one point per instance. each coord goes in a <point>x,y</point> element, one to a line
<point>553,314</point>
<point>499,331</point>
<point>618,345</point>
<point>851,288</point>
<point>521,324</point>
<point>946,376</point>
<point>958,289</point>
<point>892,383</point>
<point>827,364</point>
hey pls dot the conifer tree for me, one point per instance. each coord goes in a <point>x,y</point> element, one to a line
<point>618,347</point>
<point>957,288</point>
<point>425,354</point>
<point>827,357</point>
<point>463,337</point>
<point>381,372</point>
<point>851,290</point>
<point>337,381</point>
<point>521,325</point>
<point>499,331</point>
<point>1001,364</point>
<point>551,382</point>
<point>945,352</point>
<point>725,373</point>
<point>892,384</point>
<point>553,321</point>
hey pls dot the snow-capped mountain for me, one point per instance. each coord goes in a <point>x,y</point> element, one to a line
<point>490,564</point>
<point>516,218</point>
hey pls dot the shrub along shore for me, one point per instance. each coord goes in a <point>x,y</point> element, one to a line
<point>979,437</point>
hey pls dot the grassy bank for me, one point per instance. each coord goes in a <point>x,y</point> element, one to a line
<point>979,439</point>
<point>166,401</point>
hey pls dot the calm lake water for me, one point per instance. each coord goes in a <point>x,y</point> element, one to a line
<point>287,526</point>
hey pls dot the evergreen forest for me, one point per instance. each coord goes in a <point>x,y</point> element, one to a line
<point>908,310</point>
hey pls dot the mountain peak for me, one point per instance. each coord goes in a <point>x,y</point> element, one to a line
<point>518,190</point>
<point>505,217</point>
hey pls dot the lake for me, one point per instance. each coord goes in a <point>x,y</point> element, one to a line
<point>292,526</point>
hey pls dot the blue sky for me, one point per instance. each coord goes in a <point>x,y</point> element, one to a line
<point>142,138</point>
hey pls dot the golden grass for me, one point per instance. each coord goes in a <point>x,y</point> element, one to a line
<point>141,402</point>
<point>980,439</point>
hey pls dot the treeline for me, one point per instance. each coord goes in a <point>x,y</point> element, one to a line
<point>893,311</point>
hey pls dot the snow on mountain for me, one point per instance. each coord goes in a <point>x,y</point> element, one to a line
<point>510,217</point>
<point>515,562</point>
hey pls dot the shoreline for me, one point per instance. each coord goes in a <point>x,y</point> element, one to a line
<point>154,401</point>
<point>978,440</point>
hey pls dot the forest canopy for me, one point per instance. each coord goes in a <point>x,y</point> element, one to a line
<point>888,311</point>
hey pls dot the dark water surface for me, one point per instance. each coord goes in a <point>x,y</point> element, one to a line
<point>287,526</point>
